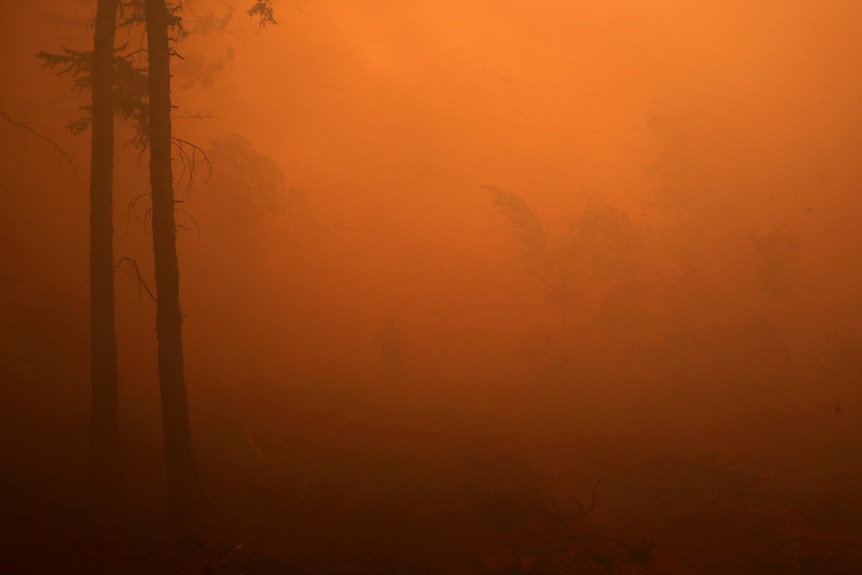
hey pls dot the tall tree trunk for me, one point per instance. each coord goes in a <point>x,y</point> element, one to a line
<point>104,481</point>
<point>186,499</point>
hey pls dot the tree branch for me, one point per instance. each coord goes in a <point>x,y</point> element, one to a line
<point>130,266</point>
<point>21,125</point>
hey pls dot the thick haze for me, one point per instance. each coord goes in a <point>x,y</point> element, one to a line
<point>728,133</point>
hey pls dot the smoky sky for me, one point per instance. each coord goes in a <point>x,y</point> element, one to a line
<point>390,117</point>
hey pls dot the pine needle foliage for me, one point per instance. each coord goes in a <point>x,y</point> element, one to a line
<point>130,73</point>
<point>264,11</point>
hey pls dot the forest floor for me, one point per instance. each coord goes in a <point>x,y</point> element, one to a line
<point>353,486</point>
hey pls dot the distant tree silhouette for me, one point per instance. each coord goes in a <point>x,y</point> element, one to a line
<point>264,12</point>
<point>250,188</point>
<point>599,246</point>
<point>548,259</point>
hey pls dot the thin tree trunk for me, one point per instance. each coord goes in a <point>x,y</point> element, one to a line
<point>186,499</point>
<point>104,481</point>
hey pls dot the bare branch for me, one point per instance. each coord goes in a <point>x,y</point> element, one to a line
<point>586,512</point>
<point>189,161</point>
<point>130,209</point>
<point>21,125</point>
<point>196,228</point>
<point>130,266</point>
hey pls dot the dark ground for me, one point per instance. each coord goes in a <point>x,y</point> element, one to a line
<point>341,482</point>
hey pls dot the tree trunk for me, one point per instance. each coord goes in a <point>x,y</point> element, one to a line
<point>186,499</point>
<point>104,481</point>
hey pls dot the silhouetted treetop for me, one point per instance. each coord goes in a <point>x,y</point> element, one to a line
<point>264,11</point>
<point>530,234</point>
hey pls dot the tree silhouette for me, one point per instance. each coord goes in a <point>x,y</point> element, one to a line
<point>251,192</point>
<point>264,11</point>
<point>186,498</point>
<point>95,70</point>
<point>104,470</point>
<point>598,248</point>
<point>126,94</point>
<point>548,259</point>
<point>120,86</point>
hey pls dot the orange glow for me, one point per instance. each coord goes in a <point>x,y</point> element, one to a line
<point>693,169</point>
